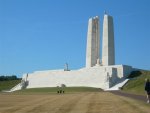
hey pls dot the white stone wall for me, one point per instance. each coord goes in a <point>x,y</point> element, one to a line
<point>84,77</point>
<point>122,70</point>
<point>96,76</point>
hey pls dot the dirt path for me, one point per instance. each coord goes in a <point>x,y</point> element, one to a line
<point>133,96</point>
<point>96,102</point>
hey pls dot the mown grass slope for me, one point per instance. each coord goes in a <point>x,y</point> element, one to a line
<point>6,85</point>
<point>137,82</point>
<point>55,89</point>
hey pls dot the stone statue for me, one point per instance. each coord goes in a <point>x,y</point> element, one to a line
<point>66,67</point>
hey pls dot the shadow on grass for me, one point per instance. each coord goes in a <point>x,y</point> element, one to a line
<point>135,74</point>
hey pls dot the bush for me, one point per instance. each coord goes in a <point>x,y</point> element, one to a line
<point>135,74</point>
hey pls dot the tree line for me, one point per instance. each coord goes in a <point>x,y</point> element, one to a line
<point>7,78</point>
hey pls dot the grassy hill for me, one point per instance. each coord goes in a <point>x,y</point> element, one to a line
<point>5,85</point>
<point>137,82</point>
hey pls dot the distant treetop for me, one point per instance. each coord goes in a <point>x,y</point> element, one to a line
<point>7,78</point>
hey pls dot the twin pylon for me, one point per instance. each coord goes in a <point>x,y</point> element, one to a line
<point>93,42</point>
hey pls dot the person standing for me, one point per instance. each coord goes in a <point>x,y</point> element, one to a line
<point>147,89</point>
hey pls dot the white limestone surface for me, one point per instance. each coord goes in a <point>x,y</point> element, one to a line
<point>108,46</point>
<point>98,76</point>
<point>91,77</point>
<point>93,42</point>
<point>118,85</point>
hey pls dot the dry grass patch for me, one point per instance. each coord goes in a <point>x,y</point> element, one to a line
<point>92,102</point>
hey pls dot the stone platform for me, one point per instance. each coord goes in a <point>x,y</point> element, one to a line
<point>98,76</point>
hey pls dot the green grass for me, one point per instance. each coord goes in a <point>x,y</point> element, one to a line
<point>55,89</point>
<point>137,82</point>
<point>6,85</point>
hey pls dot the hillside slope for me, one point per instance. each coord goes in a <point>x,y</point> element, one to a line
<point>137,82</point>
<point>6,85</point>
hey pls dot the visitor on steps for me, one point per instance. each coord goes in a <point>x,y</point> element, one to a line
<point>147,89</point>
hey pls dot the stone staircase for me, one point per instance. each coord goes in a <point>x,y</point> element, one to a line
<point>118,85</point>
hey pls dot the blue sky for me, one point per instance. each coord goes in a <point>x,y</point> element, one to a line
<point>45,34</point>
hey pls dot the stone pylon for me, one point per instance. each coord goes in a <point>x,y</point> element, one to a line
<point>93,42</point>
<point>108,48</point>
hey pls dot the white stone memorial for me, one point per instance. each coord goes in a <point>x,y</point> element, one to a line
<point>98,72</point>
